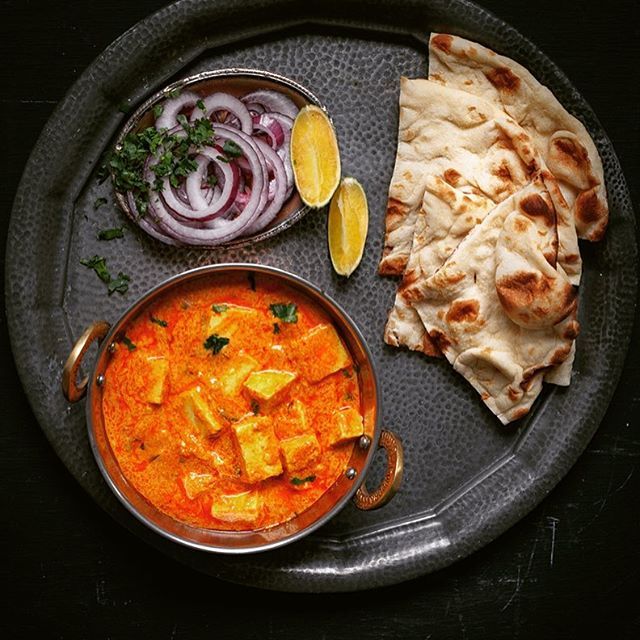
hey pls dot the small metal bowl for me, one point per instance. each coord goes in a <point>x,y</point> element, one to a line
<point>237,82</point>
<point>349,486</point>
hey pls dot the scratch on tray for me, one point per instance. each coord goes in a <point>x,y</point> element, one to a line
<point>531,556</point>
<point>463,627</point>
<point>101,595</point>
<point>516,591</point>
<point>553,522</point>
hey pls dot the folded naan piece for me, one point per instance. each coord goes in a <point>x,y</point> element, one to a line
<point>567,148</point>
<point>463,140</point>
<point>501,308</point>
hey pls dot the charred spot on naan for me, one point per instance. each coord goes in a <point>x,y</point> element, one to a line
<point>442,41</point>
<point>533,299</point>
<point>463,311</point>
<point>535,206</point>
<point>591,215</point>
<point>452,177</point>
<point>502,78</point>
<point>440,340</point>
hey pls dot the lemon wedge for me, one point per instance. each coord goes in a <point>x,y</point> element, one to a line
<point>315,156</point>
<point>348,226</point>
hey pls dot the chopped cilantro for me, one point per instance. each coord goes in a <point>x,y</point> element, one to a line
<point>215,343</point>
<point>174,93</point>
<point>212,181</point>
<point>119,284</point>
<point>231,149</point>
<point>111,234</point>
<point>298,481</point>
<point>200,104</point>
<point>346,373</point>
<point>162,323</point>
<point>285,311</point>
<point>157,110</point>
<point>172,157</point>
<point>99,265</point>
<point>99,202</point>
<point>276,327</point>
<point>255,407</point>
<point>220,308</point>
<point>127,342</point>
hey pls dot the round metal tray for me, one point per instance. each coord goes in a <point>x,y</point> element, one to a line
<point>467,479</point>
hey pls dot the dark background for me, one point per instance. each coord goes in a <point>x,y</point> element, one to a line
<point>570,569</point>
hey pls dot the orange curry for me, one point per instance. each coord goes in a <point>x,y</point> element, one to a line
<point>232,403</point>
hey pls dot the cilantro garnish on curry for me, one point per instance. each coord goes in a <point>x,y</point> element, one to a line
<point>219,421</point>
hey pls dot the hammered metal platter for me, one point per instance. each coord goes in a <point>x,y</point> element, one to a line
<point>467,479</point>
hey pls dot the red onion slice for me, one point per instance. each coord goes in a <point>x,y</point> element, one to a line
<point>201,211</point>
<point>269,125</point>
<point>172,108</point>
<point>224,102</point>
<point>273,101</point>
<point>280,187</point>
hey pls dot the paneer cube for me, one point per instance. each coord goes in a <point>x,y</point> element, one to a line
<point>196,483</point>
<point>197,410</point>
<point>239,507</point>
<point>157,383</point>
<point>259,448</point>
<point>236,373</point>
<point>323,352</point>
<point>300,452</point>
<point>265,384</point>
<point>229,318</point>
<point>346,424</point>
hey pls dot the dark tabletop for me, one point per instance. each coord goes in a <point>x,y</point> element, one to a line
<point>569,569</point>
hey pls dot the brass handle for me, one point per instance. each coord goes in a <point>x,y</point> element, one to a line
<point>392,477</point>
<point>72,389</point>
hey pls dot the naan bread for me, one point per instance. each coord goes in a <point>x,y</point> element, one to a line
<point>501,309</point>
<point>453,135</point>
<point>562,140</point>
<point>462,155</point>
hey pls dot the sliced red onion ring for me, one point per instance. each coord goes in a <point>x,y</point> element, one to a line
<point>225,102</point>
<point>148,225</point>
<point>280,187</point>
<point>223,230</point>
<point>273,101</point>
<point>172,108</point>
<point>269,125</point>
<point>201,210</point>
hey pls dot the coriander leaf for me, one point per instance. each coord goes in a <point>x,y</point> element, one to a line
<point>232,149</point>
<point>276,327</point>
<point>255,407</point>
<point>200,104</point>
<point>212,181</point>
<point>162,323</point>
<point>182,119</point>
<point>111,234</point>
<point>285,311</point>
<point>119,284</point>
<point>99,265</point>
<point>346,373</point>
<point>174,93</point>
<point>99,202</point>
<point>223,159</point>
<point>298,481</point>
<point>220,308</point>
<point>157,110</point>
<point>215,343</point>
<point>128,343</point>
